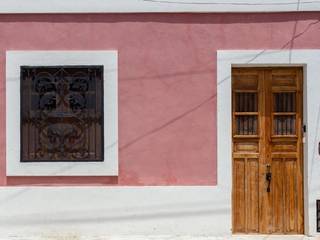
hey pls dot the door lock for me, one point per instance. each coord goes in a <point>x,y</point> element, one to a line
<point>268,176</point>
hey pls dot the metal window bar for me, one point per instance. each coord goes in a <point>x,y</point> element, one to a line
<point>60,107</point>
<point>318,215</point>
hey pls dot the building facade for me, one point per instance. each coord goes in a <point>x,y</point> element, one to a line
<point>159,118</point>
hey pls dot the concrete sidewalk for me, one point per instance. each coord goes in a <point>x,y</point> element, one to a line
<point>234,237</point>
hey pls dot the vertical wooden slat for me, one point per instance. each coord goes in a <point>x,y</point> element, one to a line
<point>277,196</point>
<point>299,164</point>
<point>255,125</point>
<point>290,196</point>
<point>252,195</point>
<point>265,204</point>
<point>239,208</point>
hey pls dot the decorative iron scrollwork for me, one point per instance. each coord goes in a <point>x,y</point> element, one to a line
<point>62,113</point>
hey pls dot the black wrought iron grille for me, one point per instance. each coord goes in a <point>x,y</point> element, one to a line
<point>318,215</point>
<point>61,113</point>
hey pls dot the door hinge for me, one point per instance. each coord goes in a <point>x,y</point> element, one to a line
<point>304,128</point>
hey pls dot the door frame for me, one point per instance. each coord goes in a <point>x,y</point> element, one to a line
<point>310,61</point>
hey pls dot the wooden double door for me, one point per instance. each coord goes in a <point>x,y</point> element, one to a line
<point>267,150</point>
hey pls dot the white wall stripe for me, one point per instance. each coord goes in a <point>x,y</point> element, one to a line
<point>143,6</point>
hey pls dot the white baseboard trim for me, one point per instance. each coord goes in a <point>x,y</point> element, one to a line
<point>94,211</point>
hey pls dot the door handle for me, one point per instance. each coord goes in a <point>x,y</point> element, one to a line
<point>268,176</point>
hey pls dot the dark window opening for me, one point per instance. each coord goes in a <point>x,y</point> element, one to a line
<point>61,113</point>
<point>318,215</point>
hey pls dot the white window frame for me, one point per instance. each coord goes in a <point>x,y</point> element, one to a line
<point>15,59</point>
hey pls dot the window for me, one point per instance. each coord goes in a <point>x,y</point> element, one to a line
<point>61,113</point>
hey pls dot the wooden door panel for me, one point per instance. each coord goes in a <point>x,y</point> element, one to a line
<point>280,79</point>
<point>246,150</point>
<point>278,196</point>
<point>243,147</point>
<point>239,201</point>
<point>290,199</point>
<point>252,194</point>
<point>286,148</point>
<point>267,136</point>
<point>245,202</point>
<point>245,80</point>
<point>283,146</point>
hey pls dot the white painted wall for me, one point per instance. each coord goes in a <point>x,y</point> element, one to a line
<point>92,211</point>
<point>168,210</point>
<point>139,6</point>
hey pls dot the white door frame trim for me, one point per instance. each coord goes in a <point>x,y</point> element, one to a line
<point>310,60</point>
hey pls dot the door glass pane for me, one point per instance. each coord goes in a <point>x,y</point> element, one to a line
<point>284,102</point>
<point>246,125</point>
<point>246,102</point>
<point>284,125</point>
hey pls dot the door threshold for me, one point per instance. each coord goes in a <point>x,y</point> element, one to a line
<point>257,236</point>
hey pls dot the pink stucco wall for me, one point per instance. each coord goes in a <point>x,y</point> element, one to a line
<point>167,82</point>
